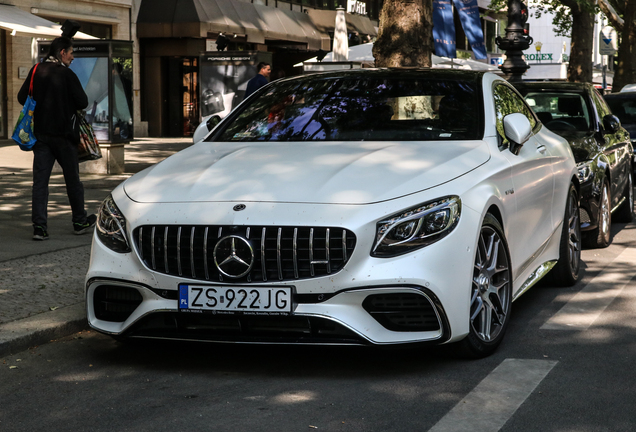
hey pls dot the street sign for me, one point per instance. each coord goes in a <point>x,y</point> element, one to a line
<point>607,41</point>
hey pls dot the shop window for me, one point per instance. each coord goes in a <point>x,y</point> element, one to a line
<point>190,95</point>
<point>122,98</point>
<point>490,33</point>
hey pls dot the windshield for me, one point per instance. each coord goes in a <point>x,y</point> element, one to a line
<point>560,111</point>
<point>359,109</point>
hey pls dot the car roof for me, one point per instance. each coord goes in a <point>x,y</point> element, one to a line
<point>624,95</point>
<point>553,85</point>
<point>396,73</point>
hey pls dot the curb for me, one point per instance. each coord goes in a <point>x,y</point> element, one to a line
<point>22,334</point>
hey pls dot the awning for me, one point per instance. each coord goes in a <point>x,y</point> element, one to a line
<point>197,18</point>
<point>293,26</point>
<point>24,23</point>
<point>325,21</point>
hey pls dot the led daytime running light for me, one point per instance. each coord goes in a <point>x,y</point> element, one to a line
<point>417,227</point>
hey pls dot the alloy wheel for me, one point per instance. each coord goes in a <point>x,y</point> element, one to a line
<point>490,300</point>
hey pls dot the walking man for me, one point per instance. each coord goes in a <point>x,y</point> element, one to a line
<point>58,95</point>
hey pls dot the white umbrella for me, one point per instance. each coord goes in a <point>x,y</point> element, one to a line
<point>340,37</point>
<point>364,53</point>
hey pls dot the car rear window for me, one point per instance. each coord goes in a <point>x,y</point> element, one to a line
<point>359,109</point>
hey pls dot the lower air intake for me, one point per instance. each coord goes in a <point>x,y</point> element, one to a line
<point>403,312</point>
<point>115,303</point>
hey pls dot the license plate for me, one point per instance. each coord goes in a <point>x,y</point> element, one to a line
<point>231,300</point>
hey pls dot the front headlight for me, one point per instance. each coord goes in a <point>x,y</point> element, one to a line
<point>417,227</point>
<point>111,227</point>
<point>585,171</point>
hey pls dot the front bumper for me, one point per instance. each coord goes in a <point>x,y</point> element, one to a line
<point>133,310</point>
<point>427,295</point>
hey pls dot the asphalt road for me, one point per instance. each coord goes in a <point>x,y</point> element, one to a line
<point>566,365</point>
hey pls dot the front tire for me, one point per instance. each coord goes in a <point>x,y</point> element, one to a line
<point>491,292</point>
<point>600,236</point>
<point>566,271</point>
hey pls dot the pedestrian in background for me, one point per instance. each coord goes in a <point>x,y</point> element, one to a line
<point>264,69</point>
<point>58,94</point>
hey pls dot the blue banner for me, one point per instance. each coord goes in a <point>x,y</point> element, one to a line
<point>469,17</point>
<point>444,29</point>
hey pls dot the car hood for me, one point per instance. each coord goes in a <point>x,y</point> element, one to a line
<point>583,144</point>
<point>314,172</point>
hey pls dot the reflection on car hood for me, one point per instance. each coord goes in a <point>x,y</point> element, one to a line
<point>583,144</point>
<point>318,172</point>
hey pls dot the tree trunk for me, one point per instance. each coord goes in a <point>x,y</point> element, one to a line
<point>625,73</point>
<point>405,37</point>
<point>580,67</point>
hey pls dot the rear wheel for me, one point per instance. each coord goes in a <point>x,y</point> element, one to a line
<point>491,292</point>
<point>625,212</point>
<point>600,236</point>
<point>566,271</point>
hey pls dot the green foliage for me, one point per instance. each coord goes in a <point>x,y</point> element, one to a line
<point>560,9</point>
<point>126,64</point>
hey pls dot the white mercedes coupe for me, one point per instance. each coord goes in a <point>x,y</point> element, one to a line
<point>379,207</point>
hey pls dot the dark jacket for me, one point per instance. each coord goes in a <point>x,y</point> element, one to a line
<point>254,84</point>
<point>58,94</point>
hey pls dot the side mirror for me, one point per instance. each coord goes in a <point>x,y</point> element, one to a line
<point>213,122</point>
<point>518,130</point>
<point>611,123</point>
<point>205,127</point>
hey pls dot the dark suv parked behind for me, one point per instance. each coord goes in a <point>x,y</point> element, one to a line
<point>601,147</point>
<point>623,106</point>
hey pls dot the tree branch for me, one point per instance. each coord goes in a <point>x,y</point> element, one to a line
<point>614,18</point>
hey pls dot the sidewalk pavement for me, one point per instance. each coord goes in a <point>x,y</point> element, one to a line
<point>42,283</point>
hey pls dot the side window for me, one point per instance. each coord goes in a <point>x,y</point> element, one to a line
<point>601,107</point>
<point>507,101</point>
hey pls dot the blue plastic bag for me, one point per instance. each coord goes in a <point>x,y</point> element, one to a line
<point>23,132</point>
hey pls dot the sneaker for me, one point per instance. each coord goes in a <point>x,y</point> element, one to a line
<point>81,228</point>
<point>40,233</point>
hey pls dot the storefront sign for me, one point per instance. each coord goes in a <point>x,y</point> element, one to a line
<point>229,58</point>
<point>356,7</point>
<point>539,57</point>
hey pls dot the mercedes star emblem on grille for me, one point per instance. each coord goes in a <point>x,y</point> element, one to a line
<point>233,256</point>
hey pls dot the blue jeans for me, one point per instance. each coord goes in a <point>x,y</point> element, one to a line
<point>46,151</point>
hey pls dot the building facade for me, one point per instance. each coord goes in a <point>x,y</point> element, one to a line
<point>170,38</point>
<point>548,57</point>
<point>174,36</point>
<point>23,23</point>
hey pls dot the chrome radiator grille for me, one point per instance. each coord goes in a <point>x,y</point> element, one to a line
<point>279,253</point>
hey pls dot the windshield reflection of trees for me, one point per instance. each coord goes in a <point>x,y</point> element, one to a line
<point>360,109</point>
